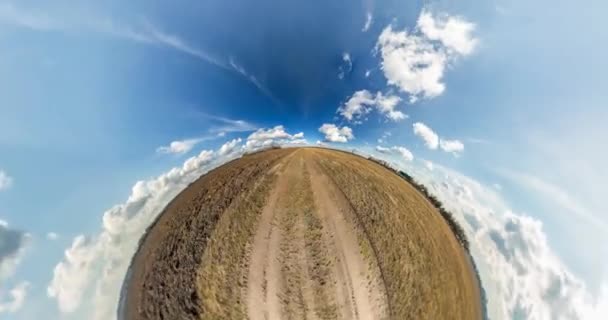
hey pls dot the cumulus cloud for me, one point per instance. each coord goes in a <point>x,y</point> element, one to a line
<point>428,165</point>
<point>336,134</point>
<point>12,247</point>
<point>452,146</point>
<point>275,136</point>
<point>362,102</point>
<point>87,282</point>
<point>229,147</point>
<point>454,33</point>
<point>522,275</point>
<point>179,146</point>
<point>416,62</point>
<point>402,151</point>
<point>5,180</point>
<point>382,149</point>
<point>93,267</point>
<point>357,105</point>
<point>13,301</point>
<point>430,138</point>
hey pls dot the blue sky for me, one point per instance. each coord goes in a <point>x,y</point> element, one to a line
<point>511,93</point>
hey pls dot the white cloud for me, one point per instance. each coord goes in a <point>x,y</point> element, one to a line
<point>278,132</point>
<point>415,62</point>
<point>5,181</point>
<point>382,149</point>
<point>153,35</point>
<point>521,274</point>
<point>428,165</point>
<point>179,147</point>
<point>453,146</point>
<point>255,81</point>
<point>454,33</point>
<point>336,134</point>
<point>346,67</point>
<point>73,276</point>
<point>52,236</point>
<point>16,298</point>
<point>11,15</point>
<point>12,247</point>
<point>362,102</point>
<point>412,64</point>
<point>223,125</point>
<point>368,22</point>
<point>357,105</point>
<point>430,138</point>
<point>368,73</point>
<point>405,153</point>
<point>229,147</point>
<point>93,268</point>
<point>386,106</point>
<point>277,136</point>
<point>402,151</point>
<point>87,282</point>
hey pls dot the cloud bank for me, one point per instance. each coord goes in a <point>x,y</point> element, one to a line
<point>523,277</point>
<point>520,273</point>
<point>87,282</point>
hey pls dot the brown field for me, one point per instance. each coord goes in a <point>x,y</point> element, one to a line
<point>301,234</point>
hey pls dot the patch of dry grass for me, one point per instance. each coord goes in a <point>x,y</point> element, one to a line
<point>424,268</point>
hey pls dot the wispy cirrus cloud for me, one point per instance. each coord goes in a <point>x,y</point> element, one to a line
<point>33,20</point>
<point>146,32</point>
<point>557,195</point>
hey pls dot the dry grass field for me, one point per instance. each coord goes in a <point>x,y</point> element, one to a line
<point>301,233</point>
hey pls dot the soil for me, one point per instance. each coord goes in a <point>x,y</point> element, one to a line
<point>302,233</point>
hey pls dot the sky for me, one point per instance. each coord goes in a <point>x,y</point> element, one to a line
<point>108,110</point>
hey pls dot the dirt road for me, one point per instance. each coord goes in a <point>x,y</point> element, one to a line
<point>301,234</point>
<point>306,247</point>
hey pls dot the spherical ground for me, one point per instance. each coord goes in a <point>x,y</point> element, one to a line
<point>301,233</point>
